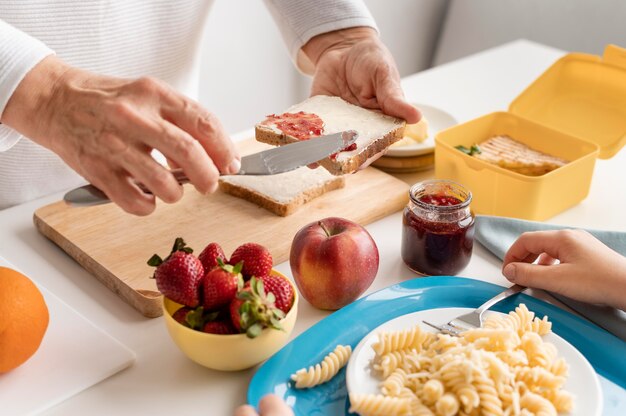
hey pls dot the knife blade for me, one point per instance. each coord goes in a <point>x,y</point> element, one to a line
<point>268,162</point>
<point>294,155</point>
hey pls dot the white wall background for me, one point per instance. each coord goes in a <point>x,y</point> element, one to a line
<point>246,71</point>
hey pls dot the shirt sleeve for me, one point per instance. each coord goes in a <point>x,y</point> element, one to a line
<point>300,20</point>
<point>19,53</point>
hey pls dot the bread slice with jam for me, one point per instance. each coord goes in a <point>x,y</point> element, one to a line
<point>322,115</point>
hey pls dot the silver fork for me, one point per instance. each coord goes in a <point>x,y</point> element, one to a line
<point>474,319</point>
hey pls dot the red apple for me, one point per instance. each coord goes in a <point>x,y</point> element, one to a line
<point>333,262</point>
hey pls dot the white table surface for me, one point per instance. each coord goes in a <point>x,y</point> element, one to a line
<point>163,381</point>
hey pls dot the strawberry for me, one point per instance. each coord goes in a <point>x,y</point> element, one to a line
<point>210,254</point>
<point>220,285</point>
<point>257,260</point>
<point>282,290</point>
<point>219,327</point>
<point>252,310</point>
<point>181,314</point>
<point>178,276</point>
<point>193,318</point>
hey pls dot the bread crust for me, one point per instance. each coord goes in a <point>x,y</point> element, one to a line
<point>267,135</point>
<point>279,208</point>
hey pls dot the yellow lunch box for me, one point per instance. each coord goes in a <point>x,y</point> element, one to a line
<point>575,110</point>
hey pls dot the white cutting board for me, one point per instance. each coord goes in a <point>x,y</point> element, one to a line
<point>73,356</point>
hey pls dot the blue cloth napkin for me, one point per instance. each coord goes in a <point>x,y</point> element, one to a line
<point>497,234</point>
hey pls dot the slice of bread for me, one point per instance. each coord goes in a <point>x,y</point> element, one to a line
<point>283,193</point>
<point>376,130</point>
<point>513,155</point>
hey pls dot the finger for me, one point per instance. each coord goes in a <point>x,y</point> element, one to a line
<point>546,260</point>
<point>272,405</point>
<point>172,164</point>
<point>174,143</point>
<point>536,276</point>
<point>152,175</point>
<point>313,165</point>
<point>245,410</point>
<point>530,245</point>
<point>205,127</point>
<point>182,149</point>
<point>119,189</point>
<point>392,102</point>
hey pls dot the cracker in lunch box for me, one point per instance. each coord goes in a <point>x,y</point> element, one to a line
<point>517,157</point>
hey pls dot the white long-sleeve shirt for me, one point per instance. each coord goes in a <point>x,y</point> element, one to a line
<point>159,38</point>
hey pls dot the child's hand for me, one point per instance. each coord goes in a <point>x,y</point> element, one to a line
<point>269,405</point>
<point>569,262</point>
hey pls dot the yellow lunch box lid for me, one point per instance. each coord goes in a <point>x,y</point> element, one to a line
<point>583,95</point>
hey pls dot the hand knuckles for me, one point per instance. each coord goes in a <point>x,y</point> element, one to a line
<point>148,85</point>
<point>185,147</point>
<point>121,109</point>
<point>113,144</point>
<point>570,236</point>
<point>208,124</point>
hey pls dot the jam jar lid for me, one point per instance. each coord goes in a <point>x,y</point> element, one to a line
<point>440,187</point>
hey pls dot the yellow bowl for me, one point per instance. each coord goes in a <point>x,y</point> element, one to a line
<point>229,352</point>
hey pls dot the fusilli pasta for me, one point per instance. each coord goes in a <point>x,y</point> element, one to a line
<point>378,405</point>
<point>324,371</point>
<point>504,368</point>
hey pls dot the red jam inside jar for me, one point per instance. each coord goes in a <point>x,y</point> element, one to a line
<point>437,228</point>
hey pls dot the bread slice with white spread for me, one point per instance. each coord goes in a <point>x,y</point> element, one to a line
<point>282,193</point>
<point>376,130</point>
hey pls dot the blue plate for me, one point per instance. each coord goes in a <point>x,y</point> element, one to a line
<point>348,325</point>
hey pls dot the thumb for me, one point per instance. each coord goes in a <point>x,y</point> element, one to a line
<point>391,100</point>
<point>536,276</point>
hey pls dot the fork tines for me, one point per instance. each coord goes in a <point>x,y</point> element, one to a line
<point>446,329</point>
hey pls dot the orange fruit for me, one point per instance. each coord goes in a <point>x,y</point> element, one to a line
<point>23,319</point>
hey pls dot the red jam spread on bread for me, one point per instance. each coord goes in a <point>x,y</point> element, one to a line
<point>300,125</point>
<point>348,148</point>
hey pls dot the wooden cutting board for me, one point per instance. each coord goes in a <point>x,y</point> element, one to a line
<point>114,246</point>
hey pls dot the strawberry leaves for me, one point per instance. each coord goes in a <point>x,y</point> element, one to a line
<point>179,245</point>
<point>253,310</point>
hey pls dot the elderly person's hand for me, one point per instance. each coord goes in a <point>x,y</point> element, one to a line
<point>355,65</point>
<point>105,129</point>
<point>270,405</point>
<point>572,263</point>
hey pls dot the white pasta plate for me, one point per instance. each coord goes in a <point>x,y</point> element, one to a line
<point>438,120</point>
<point>582,381</point>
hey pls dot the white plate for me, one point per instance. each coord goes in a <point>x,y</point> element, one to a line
<point>582,381</point>
<point>73,356</point>
<point>437,120</point>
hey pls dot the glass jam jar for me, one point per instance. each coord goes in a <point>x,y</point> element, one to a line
<point>437,228</point>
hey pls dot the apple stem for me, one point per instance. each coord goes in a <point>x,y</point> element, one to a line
<point>328,234</point>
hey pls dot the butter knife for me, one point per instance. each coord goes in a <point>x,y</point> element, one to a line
<point>268,162</point>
